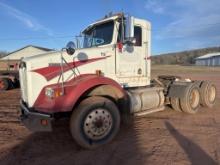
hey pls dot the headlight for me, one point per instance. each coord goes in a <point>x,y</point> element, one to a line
<point>53,93</point>
<point>49,92</point>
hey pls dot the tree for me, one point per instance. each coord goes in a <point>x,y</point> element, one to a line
<point>3,54</point>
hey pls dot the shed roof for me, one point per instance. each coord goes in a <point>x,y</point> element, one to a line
<point>13,56</point>
<point>209,55</point>
<point>38,47</point>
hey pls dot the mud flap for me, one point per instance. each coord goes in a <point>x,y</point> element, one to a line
<point>178,90</point>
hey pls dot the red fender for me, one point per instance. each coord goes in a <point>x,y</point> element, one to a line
<point>73,90</point>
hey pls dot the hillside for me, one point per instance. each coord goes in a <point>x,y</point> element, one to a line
<point>184,57</point>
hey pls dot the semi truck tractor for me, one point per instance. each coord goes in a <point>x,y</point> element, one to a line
<point>100,82</point>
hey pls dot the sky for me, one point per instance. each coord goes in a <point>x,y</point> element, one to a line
<point>177,25</point>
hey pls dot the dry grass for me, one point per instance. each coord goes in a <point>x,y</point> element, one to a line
<point>178,70</point>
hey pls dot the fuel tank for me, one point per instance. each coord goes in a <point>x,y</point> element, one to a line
<point>146,99</point>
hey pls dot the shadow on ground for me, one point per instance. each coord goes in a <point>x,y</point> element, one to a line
<point>58,148</point>
<point>195,154</point>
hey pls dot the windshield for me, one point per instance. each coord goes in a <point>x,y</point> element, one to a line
<point>98,35</point>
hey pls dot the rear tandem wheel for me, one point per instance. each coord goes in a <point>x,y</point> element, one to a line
<point>190,101</point>
<point>208,94</point>
<point>175,103</point>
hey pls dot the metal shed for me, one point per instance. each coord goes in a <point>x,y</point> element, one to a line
<point>210,59</point>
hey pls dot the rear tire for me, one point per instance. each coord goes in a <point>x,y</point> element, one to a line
<point>190,102</point>
<point>208,94</point>
<point>4,84</point>
<point>95,122</point>
<point>175,103</point>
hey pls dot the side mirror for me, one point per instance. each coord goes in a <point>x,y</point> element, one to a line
<point>129,27</point>
<point>129,31</point>
<point>70,48</point>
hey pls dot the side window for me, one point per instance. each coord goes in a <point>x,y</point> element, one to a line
<point>138,35</point>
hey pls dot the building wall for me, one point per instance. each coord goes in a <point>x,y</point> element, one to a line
<point>217,61</point>
<point>3,65</point>
<point>9,64</point>
<point>201,62</point>
<point>212,61</point>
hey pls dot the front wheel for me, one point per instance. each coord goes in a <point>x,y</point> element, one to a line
<point>95,122</point>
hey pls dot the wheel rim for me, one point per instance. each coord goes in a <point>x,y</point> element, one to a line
<point>194,98</point>
<point>211,94</point>
<point>97,124</point>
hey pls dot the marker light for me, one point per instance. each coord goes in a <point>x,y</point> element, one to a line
<point>53,93</point>
<point>120,47</point>
<point>44,122</point>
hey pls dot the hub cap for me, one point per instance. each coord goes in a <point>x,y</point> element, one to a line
<point>97,124</point>
<point>194,98</point>
<point>212,94</point>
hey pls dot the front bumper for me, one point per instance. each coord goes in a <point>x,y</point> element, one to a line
<point>35,121</point>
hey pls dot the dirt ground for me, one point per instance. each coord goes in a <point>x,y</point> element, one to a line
<point>161,138</point>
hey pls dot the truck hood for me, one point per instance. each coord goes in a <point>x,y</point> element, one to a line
<point>50,62</point>
<point>42,60</point>
<point>54,58</point>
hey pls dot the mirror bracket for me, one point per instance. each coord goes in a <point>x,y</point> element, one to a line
<point>130,41</point>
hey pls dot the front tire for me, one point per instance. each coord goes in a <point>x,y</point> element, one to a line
<point>95,122</point>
